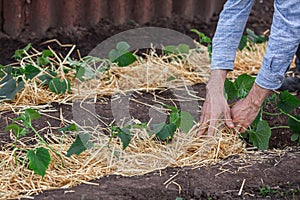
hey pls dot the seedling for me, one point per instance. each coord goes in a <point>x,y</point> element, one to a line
<point>163,131</point>
<point>177,50</point>
<point>121,55</point>
<point>252,38</point>
<point>124,133</point>
<point>89,67</point>
<point>266,191</point>
<point>177,120</point>
<point>21,53</point>
<point>39,157</point>
<point>203,39</point>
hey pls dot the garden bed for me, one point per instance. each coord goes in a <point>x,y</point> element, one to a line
<point>252,175</point>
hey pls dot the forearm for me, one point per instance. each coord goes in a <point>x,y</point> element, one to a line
<point>229,31</point>
<point>282,45</point>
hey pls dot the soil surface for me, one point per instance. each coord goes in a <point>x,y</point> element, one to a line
<point>271,174</point>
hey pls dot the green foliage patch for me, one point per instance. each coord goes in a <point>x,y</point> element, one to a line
<point>259,132</point>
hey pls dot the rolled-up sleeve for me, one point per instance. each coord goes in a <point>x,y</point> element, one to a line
<point>231,24</point>
<point>283,42</point>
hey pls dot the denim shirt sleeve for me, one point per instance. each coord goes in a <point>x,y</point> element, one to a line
<point>283,42</point>
<point>282,46</point>
<point>231,24</point>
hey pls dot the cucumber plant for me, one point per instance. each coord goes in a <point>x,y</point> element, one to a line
<point>252,38</point>
<point>121,55</point>
<point>176,120</point>
<point>38,158</point>
<point>203,39</point>
<point>163,131</point>
<point>259,132</point>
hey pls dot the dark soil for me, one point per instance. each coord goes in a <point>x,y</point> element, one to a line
<point>278,169</point>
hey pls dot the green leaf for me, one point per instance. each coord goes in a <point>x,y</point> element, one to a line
<point>80,144</point>
<point>28,116</point>
<point>171,78</point>
<point>295,137</point>
<point>10,88</point>
<point>202,36</point>
<point>124,135</point>
<point>59,86</point>
<point>2,71</point>
<point>287,102</point>
<point>44,59</point>
<point>243,43</point>
<point>243,84</point>
<point>164,131</point>
<point>71,127</point>
<point>47,53</point>
<point>261,136</point>
<point>46,78</point>
<point>139,126</point>
<point>80,71</point>
<point>230,90</point>
<point>20,53</point>
<point>39,160</point>
<point>18,131</point>
<point>121,55</point>
<point>123,46</point>
<point>31,71</point>
<point>41,61</point>
<point>294,124</point>
<point>256,39</point>
<point>180,49</point>
<point>170,49</point>
<point>174,118</point>
<point>8,76</point>
<point>186,122</point>
<point>32,114</point>
<point>183,48</point>
<point>125,59</point>
<point>257,119</point>
<point>172,108</point>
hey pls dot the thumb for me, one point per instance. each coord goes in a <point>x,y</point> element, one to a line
<point>228,120</point>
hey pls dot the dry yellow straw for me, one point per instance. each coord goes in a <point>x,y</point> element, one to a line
<point>143,155</point>
<point>142,75</point>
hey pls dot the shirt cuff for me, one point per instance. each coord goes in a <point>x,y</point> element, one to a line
<point>272,72</point>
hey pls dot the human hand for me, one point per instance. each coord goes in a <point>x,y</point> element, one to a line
<point>215,107</point>
<point>244,112</point>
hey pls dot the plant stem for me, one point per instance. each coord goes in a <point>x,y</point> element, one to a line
<point>44,142</point>
<point>293,117</point>
<point>15,147</point>
<point>277,127</point>
<point>272,114</point>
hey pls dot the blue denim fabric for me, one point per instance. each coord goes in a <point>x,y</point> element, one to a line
<point>283,42</point>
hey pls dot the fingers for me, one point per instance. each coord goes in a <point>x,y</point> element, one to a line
<point>228,120</point>
<point>204,122</point>
<point>239,128</point>
<point>203,129</point>
<point>212,128</point>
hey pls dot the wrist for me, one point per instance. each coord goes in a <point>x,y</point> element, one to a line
<point>216,80</point>
<point>257,95</point>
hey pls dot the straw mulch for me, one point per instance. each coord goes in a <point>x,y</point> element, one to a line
<point>145,153</point>
<point>148,74</point>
